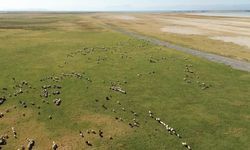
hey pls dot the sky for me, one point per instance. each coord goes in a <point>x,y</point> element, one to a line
<point>123,5</point>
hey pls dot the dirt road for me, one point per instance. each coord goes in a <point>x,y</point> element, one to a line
<point>236,64</point>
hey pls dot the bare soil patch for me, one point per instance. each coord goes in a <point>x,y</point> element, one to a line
<point>239,40</point>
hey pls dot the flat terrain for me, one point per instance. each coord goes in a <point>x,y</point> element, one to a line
<point>227,36</point>
<point>234,63</point>
<point>76,58</point>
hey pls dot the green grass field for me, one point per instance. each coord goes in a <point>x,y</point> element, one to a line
<point>206,103</point>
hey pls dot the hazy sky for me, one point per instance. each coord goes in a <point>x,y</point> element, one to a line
<point>114,5</point>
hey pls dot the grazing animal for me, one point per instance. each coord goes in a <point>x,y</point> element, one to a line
<point>54,146</point>
<point>57,102</point>
<point>81,134</point>
<point>101,133</point>
<point>31,144</point>
<point>2,100</point>
<point>3,140</point>
<point>118,89</point>
<point>14,132</point>
<point>186,145</point>
<point>93,131</point>
<point>131,125</point>
<point>104,107</point>
<point>88,143</point>
<point>158,119</point>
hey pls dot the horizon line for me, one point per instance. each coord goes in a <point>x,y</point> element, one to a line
<point>188,10</point>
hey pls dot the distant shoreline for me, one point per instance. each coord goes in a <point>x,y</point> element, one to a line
<point>218,13</point>
<point>225,14</point>
<point>149,11</point>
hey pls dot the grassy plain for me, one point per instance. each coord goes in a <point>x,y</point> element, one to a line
<point>36,46</point>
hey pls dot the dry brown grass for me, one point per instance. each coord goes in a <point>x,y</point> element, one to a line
<point>111,126</point>
<point>30,129</point>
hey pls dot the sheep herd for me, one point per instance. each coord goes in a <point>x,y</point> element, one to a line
<point>54,91</point>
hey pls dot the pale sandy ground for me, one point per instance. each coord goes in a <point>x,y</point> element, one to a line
<point>213,26</point>
<point>241,40</point>
<point>227,29</point>
<point>127,17</point>
<point>123,17</point>
<point>183,30</point>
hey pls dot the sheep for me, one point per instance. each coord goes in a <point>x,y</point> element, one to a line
<point>88,131</point>
<point>14,132</point>
<point>118,89</point>
<point>57,86</point>
<point>186,145</point>
<point>101,133</point>
<point>104,107</point>
<point>45,93</point>
<point>161,122</point>
<point>151,115</point>
<point>57,102</point>
<point>1,115</point>
<point>88,143</point>
<point>189,148</point>
<point>2,100</point>
<point>3,140</point>
<point>136,124</point>
<point>22,148</point>
<point>20,91</point>
<point>93,131</point>
<point>31,143</point>
<point>135,114</point>
<point>56,92</point>
<point>178,135</point>
<point>54,146</point>
<point>81,134</point>
<point>158,119</point>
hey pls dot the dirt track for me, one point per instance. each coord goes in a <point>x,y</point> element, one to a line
<point>236,64</point>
